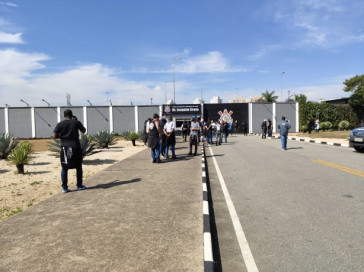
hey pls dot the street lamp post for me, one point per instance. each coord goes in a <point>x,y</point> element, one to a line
<point>24,102</point>
<point>46,102</point>
<point>174,79</point>
<point>281,86</point>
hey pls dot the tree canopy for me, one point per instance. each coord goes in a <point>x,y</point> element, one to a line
<point>300,98</point>
<point>356,100</point>
<point>268,97</point>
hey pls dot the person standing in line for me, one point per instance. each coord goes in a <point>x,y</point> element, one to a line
<point>184,131</point>
<point>264,129</point>
<point>170,137</point>
<point>230,127</point>
<point>208,129</point>
<point>218,133</point>
<point>71,152</point>
<point>202,130</point>
<point>146,130</point>
<point>226,130</point>
<point>236,126</point>
<point>162,122</point>
<point>213,131</point>
<point>194,129</point>
<point>154,139</point>
<point>284,127</point>
<point>244,128</point>
<point>270,128</point>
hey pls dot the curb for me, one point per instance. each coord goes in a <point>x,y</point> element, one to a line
<point>207,241</point>
<point>308,141</point>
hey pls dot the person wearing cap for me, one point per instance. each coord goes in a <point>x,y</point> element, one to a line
<point>154,139</point>
<point>194,129</point>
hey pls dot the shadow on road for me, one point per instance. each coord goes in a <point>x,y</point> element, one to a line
<point>113,184</point>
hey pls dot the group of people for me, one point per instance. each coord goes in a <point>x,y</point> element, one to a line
<point>267,126</point>
<point>160,134</point>
<point>283,126</point>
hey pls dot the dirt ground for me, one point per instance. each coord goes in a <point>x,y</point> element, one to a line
<point>42,178</point>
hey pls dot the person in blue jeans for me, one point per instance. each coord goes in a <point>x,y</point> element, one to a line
<point>284,127</point>
<point>154,139</point>
<point>71,151</point>
<point>170,137</point>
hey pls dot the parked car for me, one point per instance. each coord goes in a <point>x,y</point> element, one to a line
<point>356,139</point>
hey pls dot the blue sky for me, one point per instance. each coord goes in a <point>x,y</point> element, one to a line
<point>124,50</point>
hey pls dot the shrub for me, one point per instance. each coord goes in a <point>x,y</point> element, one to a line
<point>21,155</point>
<point>104,139</point>
<point>326,125</point>
<point>344,125</point>
<point>87,146</point>
<point>7,144</point>
<point>303,128</point>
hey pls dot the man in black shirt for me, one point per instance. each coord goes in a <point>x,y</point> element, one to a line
<point>71,153</point>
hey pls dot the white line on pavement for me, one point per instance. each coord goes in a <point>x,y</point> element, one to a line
<point>208,247</point>
<point>243,243</point>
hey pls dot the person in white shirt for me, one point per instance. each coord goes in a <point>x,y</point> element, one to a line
<point>170,137</point>
<point>195,128</point>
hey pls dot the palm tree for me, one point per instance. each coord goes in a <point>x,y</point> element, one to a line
<point>300,98</point>
<point>268,97</point>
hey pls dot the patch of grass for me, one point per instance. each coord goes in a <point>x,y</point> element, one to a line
<point>327,134</point>
<point>30,204</point>
<point>35,183</point>
<point>14,212</point>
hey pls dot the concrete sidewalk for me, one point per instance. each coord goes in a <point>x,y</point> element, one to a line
<point>134,216</point>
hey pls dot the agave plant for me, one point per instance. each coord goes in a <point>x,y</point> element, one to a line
<point>104,139</point>
<point>131,136</point>
<point>87,146</point>
<point>7,144</point>
<point>21,155</point>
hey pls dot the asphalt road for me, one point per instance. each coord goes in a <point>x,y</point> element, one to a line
<point>300,209</point>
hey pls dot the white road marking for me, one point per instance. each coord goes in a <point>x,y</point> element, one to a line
<point>205,207</point>
<point>243,243</point>
<point>207,247</point>
<point>204,187</point>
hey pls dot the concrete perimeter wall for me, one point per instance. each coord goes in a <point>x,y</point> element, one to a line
<point>2,121</point>
<point>39,122</point>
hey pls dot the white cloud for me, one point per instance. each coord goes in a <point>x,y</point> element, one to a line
<point>264,50</point>
<point>212,62</point>
<point>329,23</point>
<point>11,38</point>
<point>9,4</point>
<point>20,78</point>
<point>315,93</point>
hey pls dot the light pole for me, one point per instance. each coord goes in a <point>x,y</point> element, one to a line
<point>281,86</point>
<point>46,102</point>
<point>174,79</point>
<point>24,102</point>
